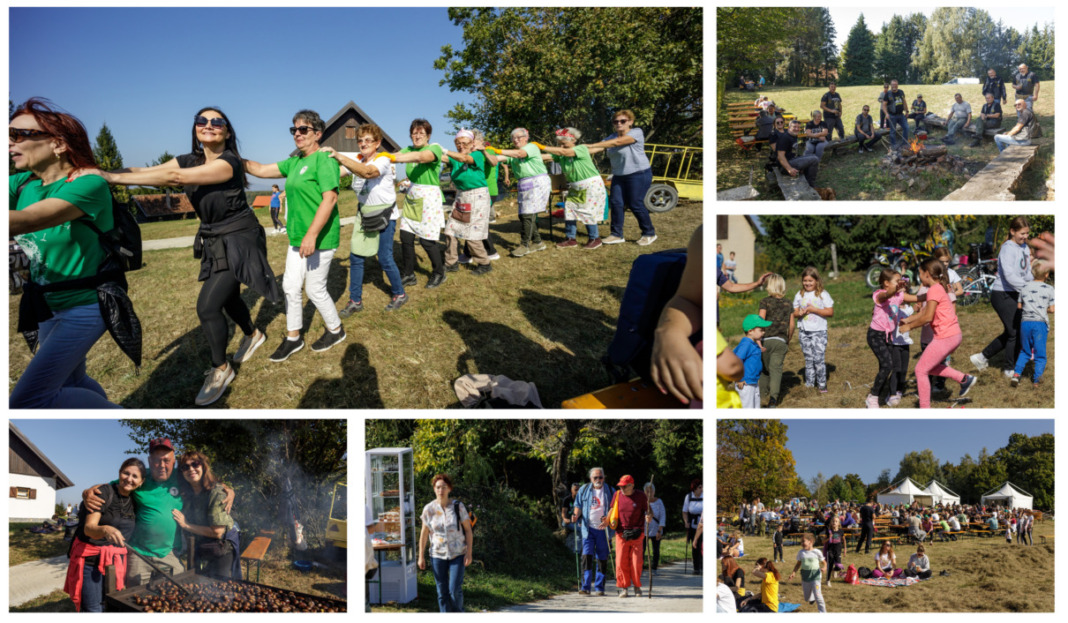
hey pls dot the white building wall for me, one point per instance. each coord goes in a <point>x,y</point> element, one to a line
<point>37,510</point>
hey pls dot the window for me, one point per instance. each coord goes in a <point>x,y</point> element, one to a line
<point>350,132</point>
<point>23,493</point>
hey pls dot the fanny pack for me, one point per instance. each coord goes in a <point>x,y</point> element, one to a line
<point>630,534</point>
<point>374,219</point>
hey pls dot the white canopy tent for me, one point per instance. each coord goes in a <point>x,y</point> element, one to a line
<point>941,493</point>
<point>905,491</point>
<point>1010,496</point>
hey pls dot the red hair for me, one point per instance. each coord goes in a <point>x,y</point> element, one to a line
<point>63,127</point>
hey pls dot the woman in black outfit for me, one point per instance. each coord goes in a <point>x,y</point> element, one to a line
<point>230,243</point>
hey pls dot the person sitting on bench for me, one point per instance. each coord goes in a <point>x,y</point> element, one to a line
<point>795,165</point>
<point>960,117</point>
<point>765,123</point>
<point>989,117</point>
<point>919,111</point>
<point>864,131</point>
<point>817,133</point>
<point>1020,134</point>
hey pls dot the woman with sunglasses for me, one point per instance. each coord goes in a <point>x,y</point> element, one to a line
<point>423,215</point>
<point>535,187</point>
<point>586,192</point>
<point>632,176</point>
<point>205,516</point>
<point>231,243</point>
<point>314,228</point>
<point>48,216</point>
<point>470,219</point>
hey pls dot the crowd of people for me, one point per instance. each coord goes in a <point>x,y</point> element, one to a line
<point>138,524</point>
<point>60,200</point>
<point>1021,296</point>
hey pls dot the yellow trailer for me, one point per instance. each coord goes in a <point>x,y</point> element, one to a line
<point>336,527</point>
<point>678,171</point>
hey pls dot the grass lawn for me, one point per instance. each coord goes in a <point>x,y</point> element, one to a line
<point>546,318</point>
<point>489,591</point>
<point>851,366</point>
<point>985,575</point>
<point>24,546</point>
<point>862,176</point>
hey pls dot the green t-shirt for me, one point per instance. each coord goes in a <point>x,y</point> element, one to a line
<point>208,508</point>
<point>578,167</point>
<point>70,250</point>
<point>529,166</point>
<point>491,177</point>
<point>470,177</point>
<point>307,178</point>
<point>810,564</point>
<point>425,173</point>
<point>156,533</point>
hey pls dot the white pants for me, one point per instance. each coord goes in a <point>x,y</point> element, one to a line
<point>750,395</point>
<point>308,274</point>
<point>812,592</point>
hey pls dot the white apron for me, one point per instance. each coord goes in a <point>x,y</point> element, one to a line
<point>534,193</point>
<point>590,211</point>
<point>433,219</point>
<point>478,228</point>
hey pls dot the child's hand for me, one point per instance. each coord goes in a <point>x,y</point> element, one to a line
<point>739,384</point>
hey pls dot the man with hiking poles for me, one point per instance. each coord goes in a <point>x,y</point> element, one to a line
<point>591,509</point>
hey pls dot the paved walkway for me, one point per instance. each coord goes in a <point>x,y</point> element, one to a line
<point>187,241</point>
<point>36,578</point>
<point>672,592</point>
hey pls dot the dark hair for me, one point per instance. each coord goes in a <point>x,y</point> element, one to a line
<point>311,117</point>
<point>231,142</point>
<point>886,275</point>
<point>420,123</point>
<point>934,267</point>
<point>61,126</point>
<point>696,482</point>
<point>437,477</point>
<point>208,480</point>
<point>769,567</point>
<point>139,464</point>
<point>1019,223</point>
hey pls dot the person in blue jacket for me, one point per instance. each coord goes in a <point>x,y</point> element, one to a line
<point>591,506</point>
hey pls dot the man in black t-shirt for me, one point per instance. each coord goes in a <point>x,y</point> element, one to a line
<point>882,109</point>
<point>989,117</point>
<point>831,105</point>
<point>1020,134</point>
<point>995,86</point>
<point>864,131</point>
<point>896,107</point>
<point>867,527</point>
<point>1026,84</point>
<point>791,164</point>
<point>919,111</point>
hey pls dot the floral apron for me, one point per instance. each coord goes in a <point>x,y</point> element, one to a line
<point>429,227</point>
<point>585,201</point>
<point>478,228</point>
<point>534,193</point>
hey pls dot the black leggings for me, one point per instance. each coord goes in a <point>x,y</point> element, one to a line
<point>654,561</point>
<point>698,559</point>
<point>221,291</point>
<point>1004,304</point>
<point>878,344</point>
<point>834,557</point>
<point>433,251</point>
<point>274,218</point>
<point>900,354</point>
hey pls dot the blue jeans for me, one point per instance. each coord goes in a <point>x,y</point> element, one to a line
<point>385,260</point>
<point>92,589</point>
<point>594,547</point>
<point>1033,334</point>
<point>629,191</point>
<point>901,121</point>
<point>1004,140</point>
<point>571,230</point>
<point>449,577</point>
<point>56,378</point>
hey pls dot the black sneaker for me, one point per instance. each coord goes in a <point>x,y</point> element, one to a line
<point>772,403</point>
<point>351,308</point>
<point>436,280</point>
<point>397,302</point>
<point>287,348</point>
<point>452,268</point>
<point>328,339</point>
<point>481,269</point>
<point>408,280</point>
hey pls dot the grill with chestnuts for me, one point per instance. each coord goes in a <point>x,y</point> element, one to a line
<point>231,596</point>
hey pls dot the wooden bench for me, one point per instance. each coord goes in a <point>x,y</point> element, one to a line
<point>793,188</point>
<point>939,122</point>
<point>996,181</point>
<point>635,394</point>
<point>978,532</point>
<point>885,539</point>
<point>255,553</point>
<point>834,146</point>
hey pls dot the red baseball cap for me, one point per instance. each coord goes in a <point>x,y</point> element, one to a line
<point>625,480</point>
<point>160,442</point>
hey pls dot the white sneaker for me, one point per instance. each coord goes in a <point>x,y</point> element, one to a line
<point>248,345</point>
<point>214,385</point>
<point>494,257</point>
<point>980,362</point>
<point>645,241</point>
<point>1009,373</point>
<point>612,240</point>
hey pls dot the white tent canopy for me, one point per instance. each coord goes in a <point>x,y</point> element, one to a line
<point>941,493</point>
<point>1010,496</point>
<point>905,491</point>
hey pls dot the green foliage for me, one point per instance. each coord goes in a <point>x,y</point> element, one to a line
<point>858,55</point>
<point>809,54</point>
<point>749,40</point>
<point>108,158</point>
<point>922,467</point>
<point>793,242</point>
<point>961,41</point>
<point>453,447</point>
<point>1029,464</point>
<point>752,460</point>
<point>152,190</point>
<point>1037,50</point>
<point>894,48</point>
<point>541,68</point>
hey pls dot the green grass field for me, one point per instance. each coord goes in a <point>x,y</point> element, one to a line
<point>985,575</point>
<point>160,230</point>
<point>851,366</point>
<point>546,318</point>
<point>861,176</point>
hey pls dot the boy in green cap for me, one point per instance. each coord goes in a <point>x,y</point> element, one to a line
<point>748,350</point>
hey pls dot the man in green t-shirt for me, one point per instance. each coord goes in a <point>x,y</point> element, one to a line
<point>156,535</point>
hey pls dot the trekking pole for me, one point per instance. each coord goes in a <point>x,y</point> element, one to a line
<point>610,552</point>
<point>648,554</point>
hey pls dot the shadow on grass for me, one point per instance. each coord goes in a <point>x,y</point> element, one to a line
<point>583,331</point>
<point>356,389</point>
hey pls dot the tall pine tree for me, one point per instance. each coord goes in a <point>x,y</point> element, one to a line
<point>858,55</point>
<point>108,158</point>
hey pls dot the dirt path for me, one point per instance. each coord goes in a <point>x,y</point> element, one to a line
<point>673,591</point>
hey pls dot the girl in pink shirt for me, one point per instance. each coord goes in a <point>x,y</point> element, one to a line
<point>892,293</point>
<point>942,316</point>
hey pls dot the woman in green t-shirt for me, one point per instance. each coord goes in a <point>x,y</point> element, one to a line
<point>586,194</point>
<point>423,214</point>
<point>47,216</point>
<point>534,189</point>
<point>205,516</point>
<point>314,228</point>
<point>470,217</point>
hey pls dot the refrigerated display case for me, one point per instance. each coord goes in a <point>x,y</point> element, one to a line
<point>390,483</point>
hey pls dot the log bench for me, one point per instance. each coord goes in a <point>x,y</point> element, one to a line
<point>851,139</point>
<point>996,181</point>
<point>793,188</point>
<point>939,122</point>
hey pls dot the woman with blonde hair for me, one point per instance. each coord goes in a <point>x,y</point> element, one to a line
<point>779,312</point>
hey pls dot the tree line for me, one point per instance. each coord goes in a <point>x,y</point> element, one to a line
<point>752,460</point>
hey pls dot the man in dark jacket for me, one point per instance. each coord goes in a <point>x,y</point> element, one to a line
<point>995,86</point>
<point>867,527</point>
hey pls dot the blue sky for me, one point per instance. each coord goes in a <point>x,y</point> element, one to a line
<point>866,447</point>
<point>875,15</point>
<point>145,72</point>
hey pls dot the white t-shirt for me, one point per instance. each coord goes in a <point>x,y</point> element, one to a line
<point>812,322</point>
<point>598,506</point>
<point>379,190</point>
<point>954,524</point>
<point>725,598</point>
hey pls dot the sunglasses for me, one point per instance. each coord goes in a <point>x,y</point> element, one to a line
<point>619,121</point>
<point>216,122</point>
<point>190,465</point>
<point>302,130</point>
<point>17,135</point>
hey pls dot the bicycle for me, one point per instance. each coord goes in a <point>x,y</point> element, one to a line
<point>978,281</point>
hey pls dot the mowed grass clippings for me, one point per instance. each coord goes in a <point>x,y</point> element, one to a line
<point>863,176</point>
<point>546,318</point>
<point>851,365</point>
<point>985,575</point>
